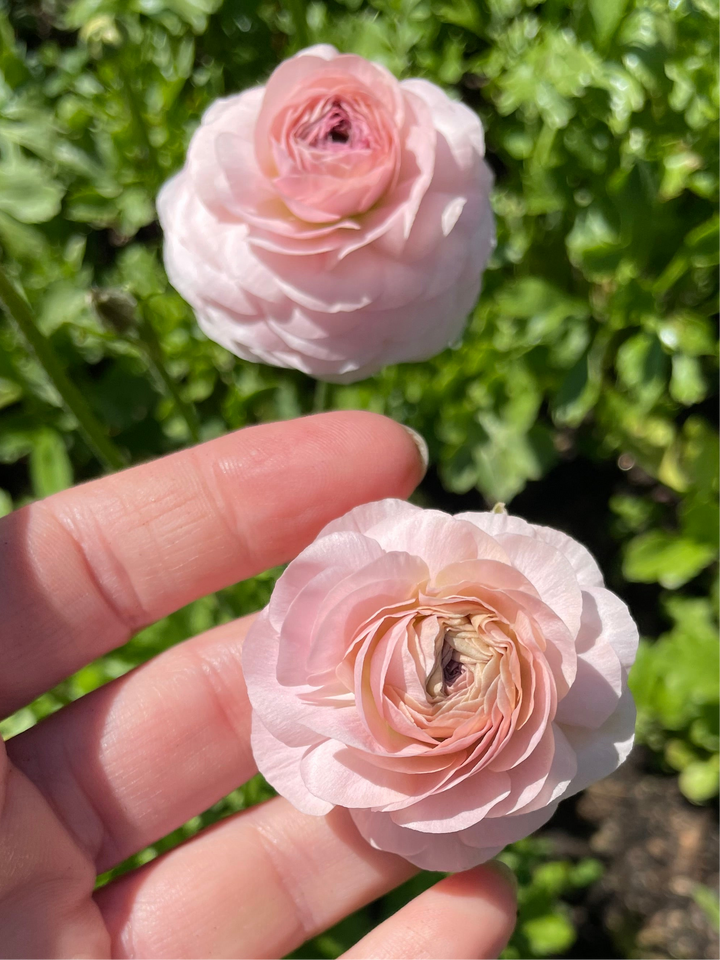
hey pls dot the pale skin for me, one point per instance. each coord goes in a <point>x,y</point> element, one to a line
<point>81,572</point>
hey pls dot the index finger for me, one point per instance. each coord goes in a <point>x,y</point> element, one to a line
<point>84,569</point>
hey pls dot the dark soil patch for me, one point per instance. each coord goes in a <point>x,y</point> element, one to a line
<point>657,849</point>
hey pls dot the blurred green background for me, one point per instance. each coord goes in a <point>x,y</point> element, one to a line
<point>583,394</point>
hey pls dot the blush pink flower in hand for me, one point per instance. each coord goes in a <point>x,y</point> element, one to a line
<point>447,679</point>
<point>335,220</point>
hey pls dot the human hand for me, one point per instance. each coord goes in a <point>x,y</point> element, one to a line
<point>113,772</point>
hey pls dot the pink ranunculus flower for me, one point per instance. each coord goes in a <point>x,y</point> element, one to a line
<point>446,679</point>
<point>335,220</point>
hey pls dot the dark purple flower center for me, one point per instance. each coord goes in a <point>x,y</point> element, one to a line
<point>451,671</point>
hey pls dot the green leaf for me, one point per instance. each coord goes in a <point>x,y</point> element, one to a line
<point>578,393</point>
<point>705,731</point>
<point>687,383</point>
<point>587,871</point>
<point>702,453</point>
<point>700,520</point>
<point>634,512</point>
<point>10,392</point>
<point>6,504</point>
<point>643,676</point>
<point>543,307</point>
<point>195,12</point>
<point>607,15</point>
<point>552,933</point>
<point>642,367</point>
<point>508,459</point>
<point>707,899</point>
<point>50,467</point>
<point>665,558</point>
<point>699,780</point>
<point>78,12</point>
<point>459,471</point>
<point>675,680</point>
<point>64,302</point>
<point>28,193</point>
<point>679,754</point>
<point>688,333</point>
<point>20,240</point>
<point>552,878</point>
<point>463,13</point>
<point>594,245</point>
<point>136,210</point>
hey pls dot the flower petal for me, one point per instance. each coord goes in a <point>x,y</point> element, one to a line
<point>280,765</point>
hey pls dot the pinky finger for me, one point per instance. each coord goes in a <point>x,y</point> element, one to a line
<point>468,915</point>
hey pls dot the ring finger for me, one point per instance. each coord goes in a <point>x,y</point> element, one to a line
<point>256,885</point>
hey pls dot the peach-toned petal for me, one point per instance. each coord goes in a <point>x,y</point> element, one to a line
<point>550,573</point>
<point>599,752</point>
<point>389,582</point>
<point>458,807</point>
<point>555,784</point>
<point>279,707</point>
<point>529,777</point>
<point>618,626</point>
<point>428,533</point>
<point>499,831</point>
<point>281,769</point>
<point>600,676</point>
<point>434,676</point>
<point>344,776</point>
<point>447,852</point>
<point>586,569</point>
<point>324,563</point>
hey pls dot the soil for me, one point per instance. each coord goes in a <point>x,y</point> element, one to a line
<point>657,848</point>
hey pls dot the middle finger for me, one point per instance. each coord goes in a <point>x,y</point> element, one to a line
<point>135,759</point>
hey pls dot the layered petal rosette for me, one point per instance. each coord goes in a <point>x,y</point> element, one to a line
<point>334,220</point>
<point>447,679</point>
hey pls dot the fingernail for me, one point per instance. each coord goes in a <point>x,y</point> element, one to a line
<point>504,871</point>
<point>422,446</point>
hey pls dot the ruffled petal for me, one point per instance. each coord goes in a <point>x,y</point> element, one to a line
<point>280,765</point>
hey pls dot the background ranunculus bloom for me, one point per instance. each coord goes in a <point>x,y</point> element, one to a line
<point>335,220</point>
<point>447,679</point>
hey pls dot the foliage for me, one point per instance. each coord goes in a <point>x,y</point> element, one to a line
<point>545,926</point>
<point>675,686</point>
<point>593,339</point>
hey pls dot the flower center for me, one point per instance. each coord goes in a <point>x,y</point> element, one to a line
<point>461,652</point>
<point>452,668</point>
<point>334,124</point>
<point>340,133</point>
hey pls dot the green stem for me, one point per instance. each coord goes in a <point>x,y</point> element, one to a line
<point>671,274</point>
<point>17,307</point>
<point>155,354</point>
<point>543,147</point>
<point>320,399</point>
